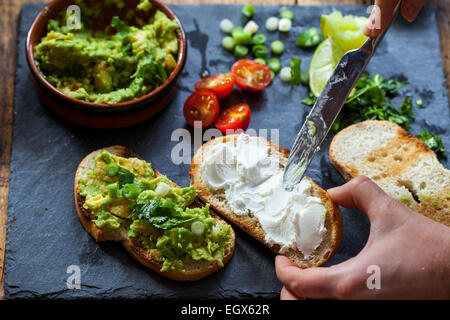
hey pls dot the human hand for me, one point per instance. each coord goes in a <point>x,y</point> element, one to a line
<point>409,9</point>
<point>411,251</point>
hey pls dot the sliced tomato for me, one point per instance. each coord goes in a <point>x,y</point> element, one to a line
<point>221,84</point>
<point>235,117</point>
<point>251,75</point>
<point>203,106</point>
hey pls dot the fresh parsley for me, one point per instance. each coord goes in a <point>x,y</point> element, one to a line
<point>433,141</point>
<point>161,213</point>
<point>125,177</point>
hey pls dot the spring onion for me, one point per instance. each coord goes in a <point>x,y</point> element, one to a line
<point>309,38</point>
<point>236,29</point>
<point>228,43</point>
<point>287,14</point>
<point>131,191</point>
<point>260,60</point>
<point>112,169</point>
<point>226,26</point>
<point>248,10</point>
<point>272,75</point>
<point>304,78</point>
<point>277,47</point>
<point>242,37</point>
<point>272,23</point>
<point>286,74</point>
<point>274,64</point>
<point>251,27</point>
<point>296,71</point>
<point>113,189</point>
<point>259,38</point>
<point>285,25</point>
<point>162,189</point>
<point>240,51</point>
<point>197,228</point>
<point>259,51</point>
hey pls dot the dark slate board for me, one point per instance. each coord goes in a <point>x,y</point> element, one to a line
<point>44,235</point>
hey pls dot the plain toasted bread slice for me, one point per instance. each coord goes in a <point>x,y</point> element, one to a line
<point>194,270</point>
<point>250,224</point>
<point>400,163</point>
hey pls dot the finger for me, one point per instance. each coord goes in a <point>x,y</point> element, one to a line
<point>319,283</point>
<point>364,194</point>
<point>411,8</point>
<point>285,294</point>
<point>380,17</point>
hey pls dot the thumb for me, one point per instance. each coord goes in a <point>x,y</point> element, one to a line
<point>367,196</point>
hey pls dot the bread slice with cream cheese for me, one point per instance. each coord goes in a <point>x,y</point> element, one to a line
<point>250,223</point>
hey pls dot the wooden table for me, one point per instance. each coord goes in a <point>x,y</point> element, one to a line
<point>9,14</point>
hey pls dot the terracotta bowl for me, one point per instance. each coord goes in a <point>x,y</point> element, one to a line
<point>96,115</point>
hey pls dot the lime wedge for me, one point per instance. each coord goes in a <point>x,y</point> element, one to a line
<point>323,62</point>
<point>346,31</point>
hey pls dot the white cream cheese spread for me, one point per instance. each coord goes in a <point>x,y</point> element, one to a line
<point>252,179</point>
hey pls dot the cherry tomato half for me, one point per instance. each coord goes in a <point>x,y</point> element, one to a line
<point>203,106</point>
<point>235,117</point>
<point>221,84</point>
<point>251,75</point>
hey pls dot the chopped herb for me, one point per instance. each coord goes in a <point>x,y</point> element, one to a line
<point>161,213</point>
<point>419,104</point>
<point>296,72</point>
<point>433,141</point>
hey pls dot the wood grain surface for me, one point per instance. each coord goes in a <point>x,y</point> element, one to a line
<point>9,14</point>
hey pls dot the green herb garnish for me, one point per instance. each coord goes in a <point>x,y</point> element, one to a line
<point>433,141</point>
<point>296,71</point>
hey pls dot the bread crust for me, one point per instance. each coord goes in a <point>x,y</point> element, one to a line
<point>194,270</point>
<point>250,225</point>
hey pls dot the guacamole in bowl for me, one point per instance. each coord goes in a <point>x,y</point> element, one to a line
<point>117,63</point>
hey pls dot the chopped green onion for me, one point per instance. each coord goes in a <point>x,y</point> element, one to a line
<point>272,75</point>
<point>309,38</point>
<point>131,191</point>
<point>113,189</point>
<point>304,78</point>
<point>259,38</point>
<point>419,104</point>
<point>240,51</point>
<point>286,74</point>
<point>260,51</point>
<point>112,169</point>
<point>242,37</point>
<point>236,29</point>
<point>226,26</point>
<point>251,27</point>
<point>287,14</point>
<point>248,10</point>
<point>285,25</point>
<point>277,47</point>
<point>296,71</point>
<point>106,156</point>
<point>228,43</point>
<point>272,23</point>
<point>274,64</point>
<point>197,228</point>
<point>260,60</point>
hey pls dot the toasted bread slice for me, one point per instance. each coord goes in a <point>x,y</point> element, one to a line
<point>194,270</point>
<point>400,163</point>
<point>250,224</point>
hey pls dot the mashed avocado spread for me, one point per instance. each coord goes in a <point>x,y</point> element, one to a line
<point>124,193</point>
<point>117,64</point>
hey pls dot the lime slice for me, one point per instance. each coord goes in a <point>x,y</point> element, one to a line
<point>346,31</point>
<point>323,62</point>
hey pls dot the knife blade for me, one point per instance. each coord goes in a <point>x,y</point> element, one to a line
<point>327,108</point>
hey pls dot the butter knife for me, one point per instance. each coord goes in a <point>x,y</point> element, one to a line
<point>327,108</point>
